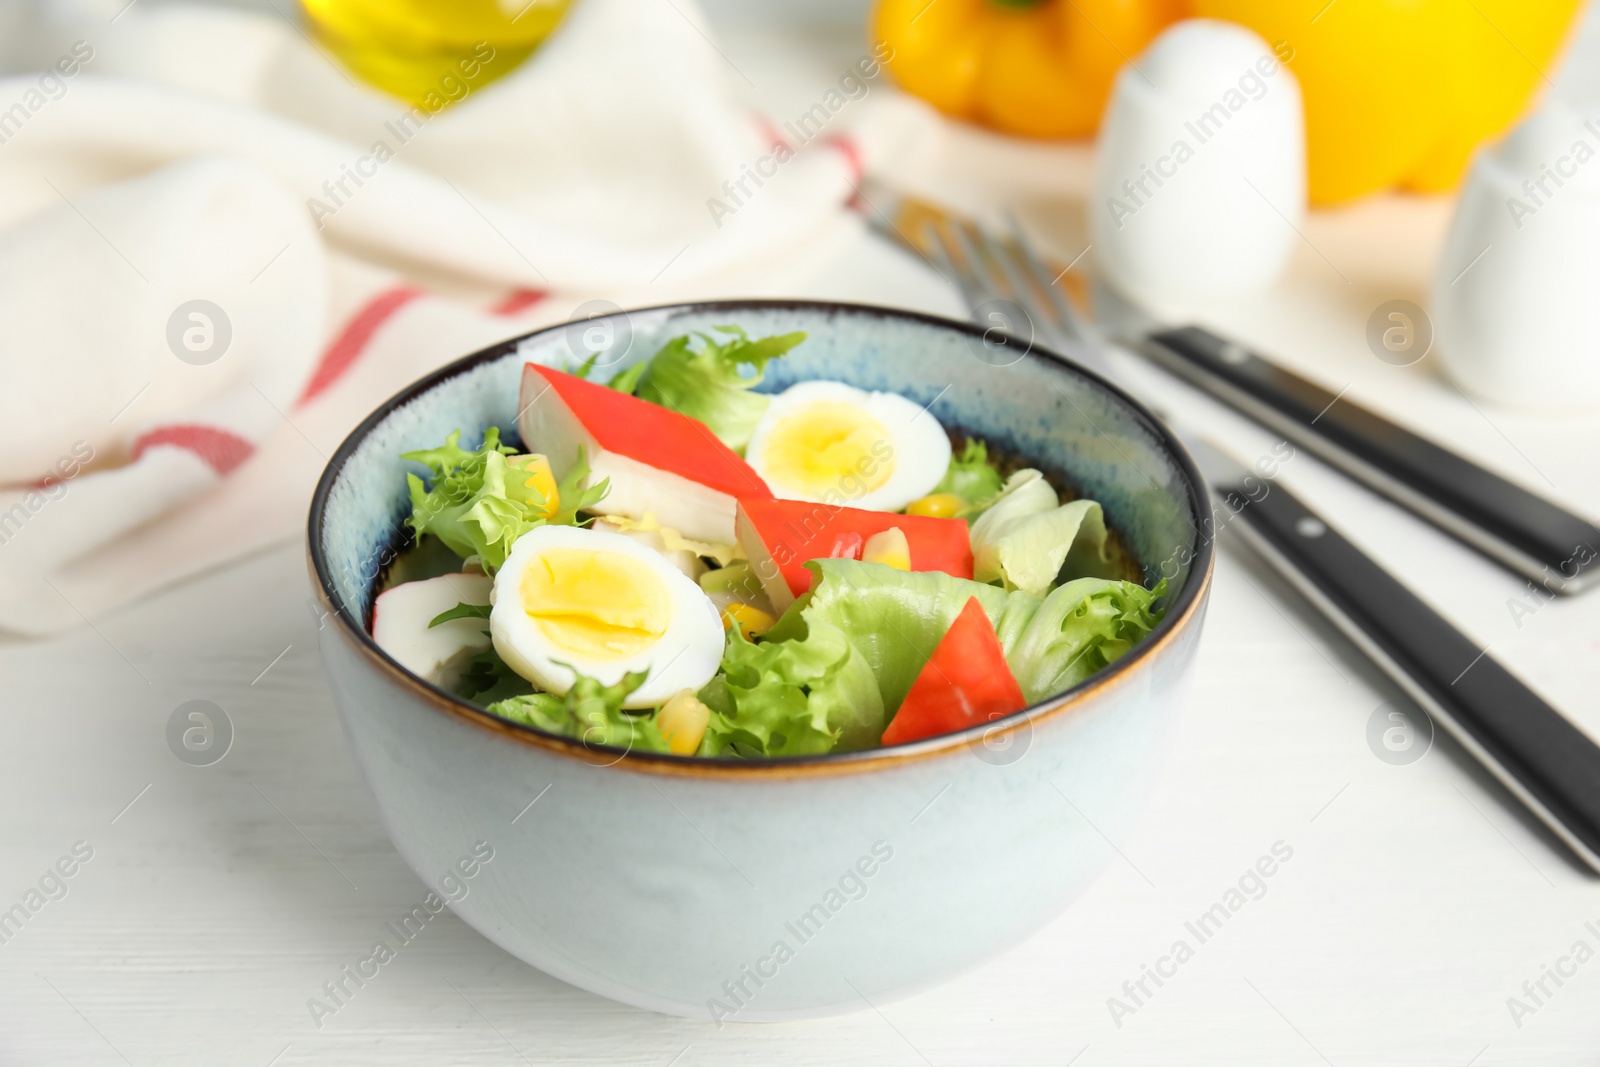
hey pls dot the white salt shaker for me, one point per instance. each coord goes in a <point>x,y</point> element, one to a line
<point>1516,286</point>
<point>1200,171</point>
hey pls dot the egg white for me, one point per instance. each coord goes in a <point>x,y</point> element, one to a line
<point>920,449</point>
<point>685,657</point>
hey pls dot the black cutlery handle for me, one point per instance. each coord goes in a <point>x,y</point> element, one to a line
<point>1521,530</point>
<point>1546,761</point>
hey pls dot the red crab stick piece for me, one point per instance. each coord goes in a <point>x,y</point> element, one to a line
<point>659,462</point>
<point>779,536</point>
<point>966,682</point>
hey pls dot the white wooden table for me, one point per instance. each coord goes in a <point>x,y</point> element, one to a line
<point>1418,899</point>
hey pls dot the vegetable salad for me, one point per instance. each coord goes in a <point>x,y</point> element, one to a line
<point>674,562</point>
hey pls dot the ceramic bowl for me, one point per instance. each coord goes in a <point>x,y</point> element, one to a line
<point>760,890</point>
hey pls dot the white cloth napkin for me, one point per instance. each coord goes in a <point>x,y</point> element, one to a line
<point>187,154</point>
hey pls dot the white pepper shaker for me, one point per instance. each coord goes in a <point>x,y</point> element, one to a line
<point>1200,170</point>
<point>1516,285</point>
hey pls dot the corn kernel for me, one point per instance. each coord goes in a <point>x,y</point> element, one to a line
<point>889,548</point>
<point>541,479</point>
<point>682,721</point>
<point>752,622</point>
<point>937,506</point>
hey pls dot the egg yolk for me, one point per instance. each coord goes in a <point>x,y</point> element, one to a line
<point>596,605</point>
<point>828,447</point>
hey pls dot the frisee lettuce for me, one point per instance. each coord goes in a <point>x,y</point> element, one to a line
<point>477,505</point>
<point>487,679</point>
<point>628,380</point>
<point>711,382</point>
<point>971,475</point>
<point>624,381</point>
<point>591,712</point>
<point>575,495</point>
<point>1082,626</point>
<point>792,698</point>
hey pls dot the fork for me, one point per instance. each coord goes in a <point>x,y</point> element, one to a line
<point>1540,757</point>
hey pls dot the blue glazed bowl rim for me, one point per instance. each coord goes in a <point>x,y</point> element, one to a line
<point>1182,609</point>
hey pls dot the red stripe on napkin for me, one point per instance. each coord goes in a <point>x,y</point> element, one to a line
<point>355,337</point>
<point>769,130</point>
<point>222,451</point>
<point>852,155</point>
<point>518,300</point>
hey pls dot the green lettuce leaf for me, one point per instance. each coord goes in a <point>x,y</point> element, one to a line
<point>461,611</point>
<point>792,698</point>
<point>971,476</point>
<point>477,505</point>
<point>574,497</point>
<point>487,680</point>
<point>590,712</point>
<point>628,380</point>
<point>624,382</point>
<point>710,382</point>
<point>450,456</point>
<point>1027,537</point>
<point>1084,625</point>
<point>895,619</point>
<point>469,504</point>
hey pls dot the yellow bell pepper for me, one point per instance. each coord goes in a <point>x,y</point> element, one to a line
<point>432,53</point>
<point>1040,68</point>
<point>1398,93</point>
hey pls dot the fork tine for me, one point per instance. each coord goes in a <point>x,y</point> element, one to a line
<point>945,254</point>
<point>975,261</point>
<point>978,285</point>
<point>1070,317</point>
<point>984,247</point>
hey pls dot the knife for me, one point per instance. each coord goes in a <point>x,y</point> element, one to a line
<point>1545,761</point>
<point>1541,758</point>
<point>1521,530</point>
